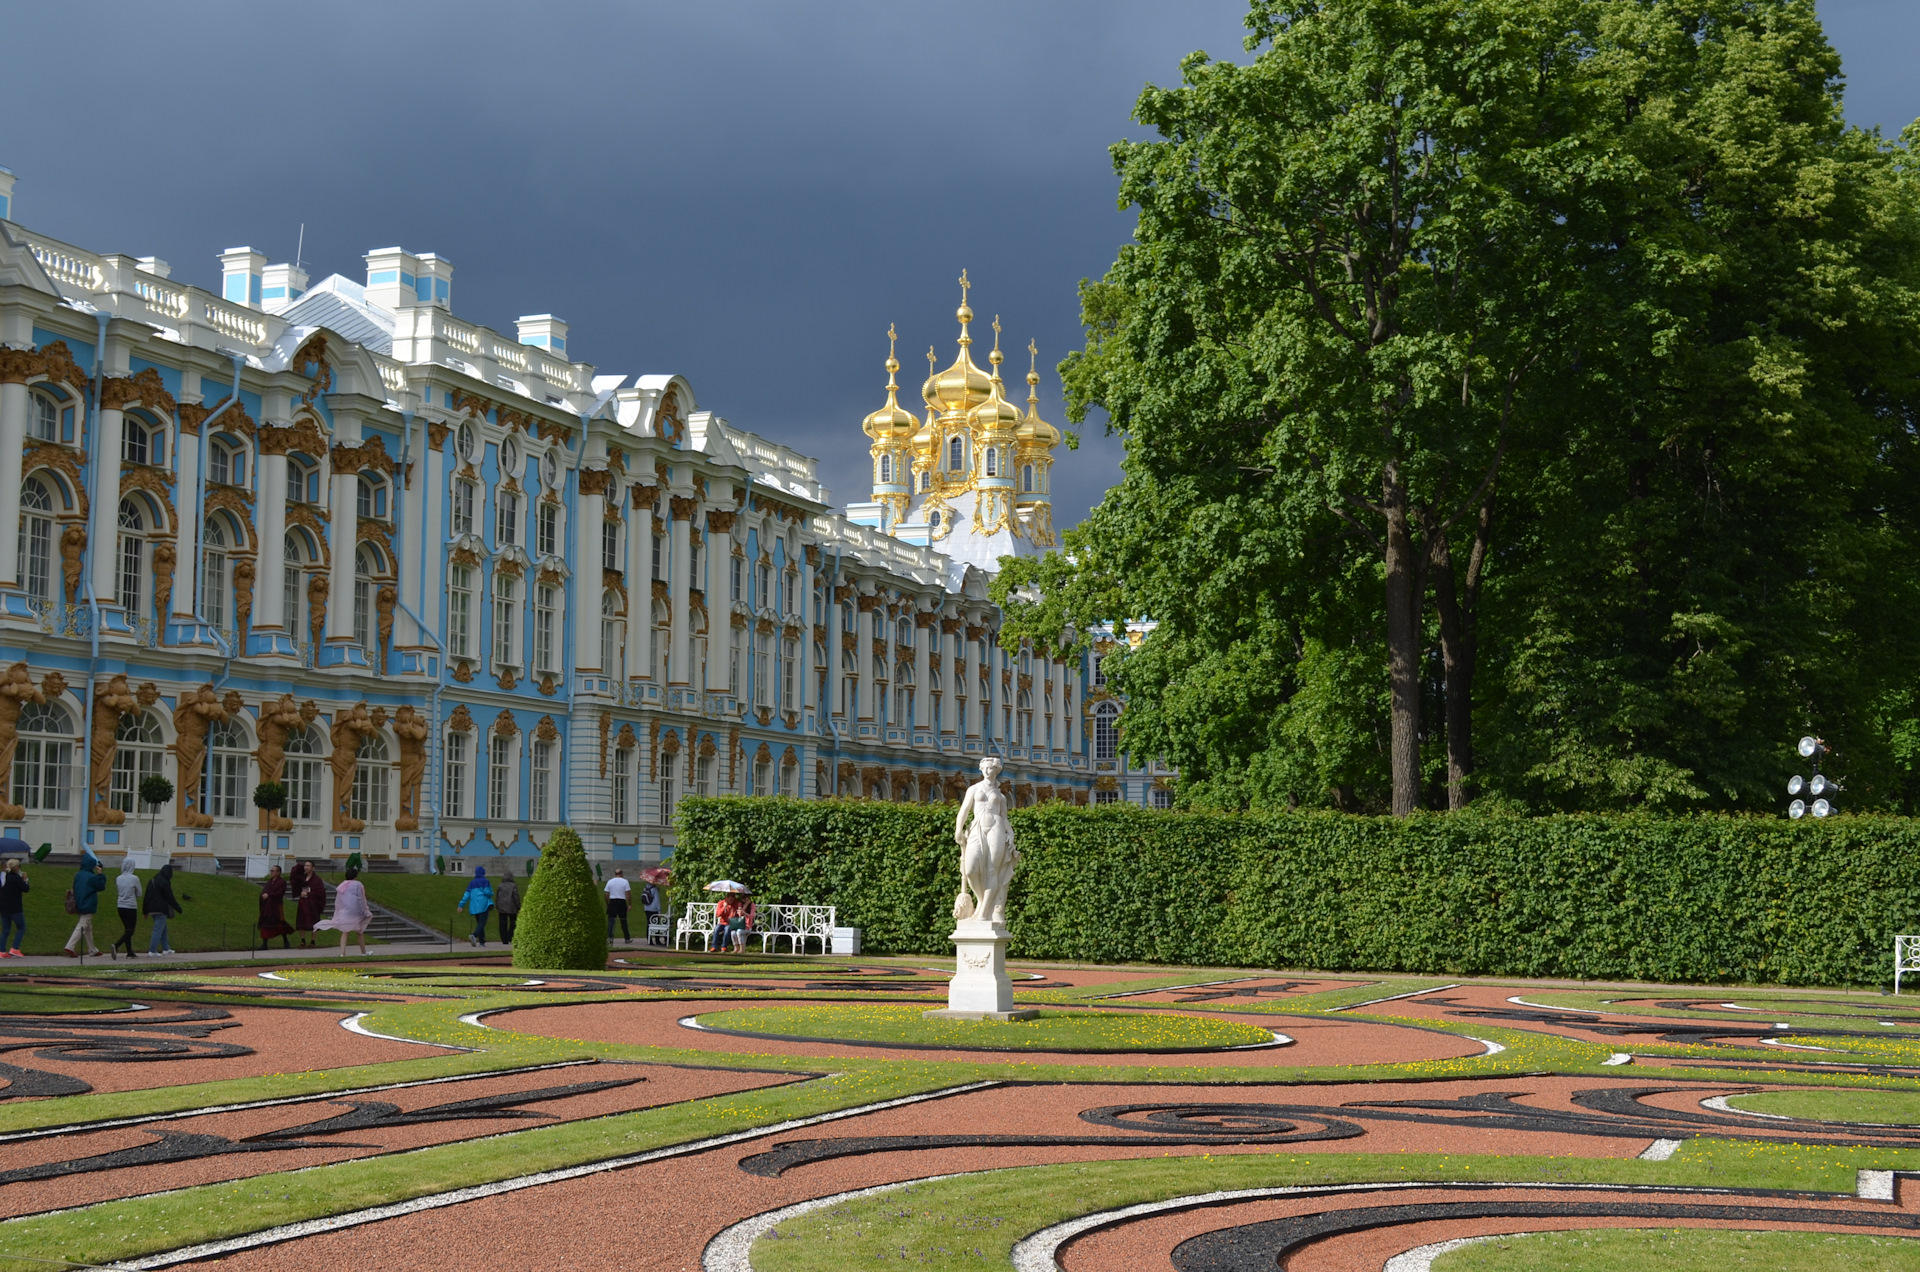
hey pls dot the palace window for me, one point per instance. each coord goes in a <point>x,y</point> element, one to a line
<point>366,565</point>
<point>139,748</point>
<point>609,545</point>
<point>1026,477</point>
<point>703,775</point>
<point>762,775</point>
<point>499,774</point>
<point>141,444</point>
<point>133,546</point>
<point>545,619</point>
<point>789,677</point>
<point>1106,797</point>
<point>622,779</point>
<point>369,799</point>
<point>1162,798</point>
<point>738,576</point>
<point>541,793</point>
<point>993,461</point>
<point>213,587</point>
<point>763,586</point>
<point>370,500</point>
<point>300,774</point>
<point>36,538</point>
<point>465,441</point>
<point>886,469</point>
<point>226,771</point>
<point>296,482</point>
<point>460,610</point>
<point>666,800</point>
<point>46,419</point>
<point>790,778</point>
<point>656,555</point>
<point>1106,731</point>
<point>508,520</point>
<point>453,792</point>
<point>290,587</point>
<point>547,529</point>
<point>1099,669</point>
<point>503,619</point>
<point>734,684</point>
<point>760,671</point>
<point>43,758</point>
<point>613,644</point>
<point>463,507</point>
<point>956,454</point>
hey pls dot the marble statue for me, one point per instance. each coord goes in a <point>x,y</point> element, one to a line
<point>987,854</point>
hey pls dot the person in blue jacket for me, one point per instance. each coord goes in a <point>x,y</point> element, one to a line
<point>477,900</point>
<point>89,881</point>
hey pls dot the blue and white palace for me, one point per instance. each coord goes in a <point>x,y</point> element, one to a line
<point>451,588</point>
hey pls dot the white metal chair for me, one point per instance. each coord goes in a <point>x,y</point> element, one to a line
<point>1906,957</point>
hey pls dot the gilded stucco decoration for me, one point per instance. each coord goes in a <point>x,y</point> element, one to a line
<point>461,721</point>
<point>193,715</point>
<point>350,728</point>
<point>410,733</point>
<point>313,354</point>
<point>16,690</point>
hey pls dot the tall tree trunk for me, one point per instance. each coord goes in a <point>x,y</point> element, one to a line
<point>1457,653</point>
<point>1404,589</point>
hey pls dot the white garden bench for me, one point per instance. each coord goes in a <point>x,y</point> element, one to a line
<point>794,924</point>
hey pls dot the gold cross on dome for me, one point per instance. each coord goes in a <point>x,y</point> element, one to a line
<point>891,338</point>
<point>1033,355</point>
<point>964,284</point>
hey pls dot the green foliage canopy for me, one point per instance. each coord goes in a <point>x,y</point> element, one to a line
<point>1519,399</point>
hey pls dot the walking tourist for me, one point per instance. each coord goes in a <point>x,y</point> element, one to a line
<point>310,901</point>
<point>650,904</point>
<point>618,890</point>
<point>273,910</point>
<point>160,906</point>
<point>127,901</point>
<point>506,900</point>
<point>89,881</point>
<point>477,900</point>
<point>351,911</point>
<point>745,917</point>
<point>13,909</point>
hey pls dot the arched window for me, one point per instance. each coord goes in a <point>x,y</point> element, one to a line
<point>43,759</point>
<point>213,586</point>
<point>790,777</point>
<point>763,774</point>
<point>926,481</point>
<point>227,463</point>
<point>366,570</point>
<point>905,631</point>
<point>886,469</point>
<point>613,636</point>
<point>370,504</point>
<point>369,800</point>
<point>46,418</point>
<point>138,749</point>
<point>226,771</point>
<point>290,587</point>
<point>993,461</point>
<point>36,538</point>
<point>509,458</point>
<point>507,519</point>
<point>301,775</point>
<point>296,481</point>
<point>550,470</point>
<point>1026,478</point>
<point>956,453</point>
<point>133,556</point>
<point>1106,731</point>
<point>547,529</point>
<point>140,443</point>
<point>464,441</point>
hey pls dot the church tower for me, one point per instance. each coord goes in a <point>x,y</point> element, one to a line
<point>973,478</point>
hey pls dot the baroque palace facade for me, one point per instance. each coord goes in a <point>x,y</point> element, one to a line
<point>451,589</point>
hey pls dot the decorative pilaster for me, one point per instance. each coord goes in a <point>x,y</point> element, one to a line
<point>678,583</point>
<point>268,634</point>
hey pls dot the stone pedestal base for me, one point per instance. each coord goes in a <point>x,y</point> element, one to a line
<point>981,988</point>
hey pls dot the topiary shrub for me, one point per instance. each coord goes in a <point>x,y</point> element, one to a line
<point>563,922</point>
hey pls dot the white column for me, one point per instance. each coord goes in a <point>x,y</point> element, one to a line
<point>971,680</point>
<point>807,619</point>
<point>270,505</point>
<point>951,681</point>
<point>589,579</point>
<point>103,517</point>
<point>345,512</point>
<point>995,697</point>
<point>863,662</point>
<point>678,581</point>
<point>922,682</point>
<point>432,536</point>
<point>639,580</point>
<point>14,405</point>
<point>186,543</point>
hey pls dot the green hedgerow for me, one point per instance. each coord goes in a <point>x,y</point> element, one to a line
<point>563,923</point>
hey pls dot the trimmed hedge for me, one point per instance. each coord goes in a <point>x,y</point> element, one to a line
<point>563,922</point>
<point>1705,899</point>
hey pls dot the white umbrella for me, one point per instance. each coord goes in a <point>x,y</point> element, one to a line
<point>727,885</point>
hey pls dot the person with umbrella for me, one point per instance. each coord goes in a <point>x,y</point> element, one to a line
<point>729,916</point>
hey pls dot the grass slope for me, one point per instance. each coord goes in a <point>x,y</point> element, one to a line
<point>217,912</point>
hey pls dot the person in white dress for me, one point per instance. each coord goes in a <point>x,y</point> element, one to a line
<point>351,913</point>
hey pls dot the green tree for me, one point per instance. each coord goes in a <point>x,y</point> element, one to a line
<point>1588,321</point>
<point>562,918</point>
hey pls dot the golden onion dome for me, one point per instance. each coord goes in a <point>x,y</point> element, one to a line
<point>891,422</point>
<point>996,414</point>
<point>1035,432</point>
<point>962,386</point>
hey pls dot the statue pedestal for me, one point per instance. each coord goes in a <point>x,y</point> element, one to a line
<point>981,988</point>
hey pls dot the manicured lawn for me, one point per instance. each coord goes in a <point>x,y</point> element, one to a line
<point>1634,1249</point>
<point>1053,1031</point>
<point>1836,1105</point>
<point>425,898</point>
<point>217,912</point>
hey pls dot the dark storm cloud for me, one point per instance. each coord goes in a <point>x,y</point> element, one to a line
<point>746,194</point>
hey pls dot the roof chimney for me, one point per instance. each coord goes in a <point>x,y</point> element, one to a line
<point>434,283</point>
<point>546,331</point>
<point>240,276</point>
<point>6,194</point>
<point>280,286</point>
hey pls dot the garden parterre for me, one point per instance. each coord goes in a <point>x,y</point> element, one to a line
<point>798,1114</point>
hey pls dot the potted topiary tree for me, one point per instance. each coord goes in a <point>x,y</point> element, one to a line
<point>155,790</point>
<point>563,923</point>
<point>271,796</point>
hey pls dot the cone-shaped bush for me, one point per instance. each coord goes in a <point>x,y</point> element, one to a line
<point>563,922</point>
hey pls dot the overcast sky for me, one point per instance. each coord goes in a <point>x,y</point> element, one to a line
<point>746,194</point>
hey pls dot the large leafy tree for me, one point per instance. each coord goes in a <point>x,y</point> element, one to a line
<point>1553,356</point>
